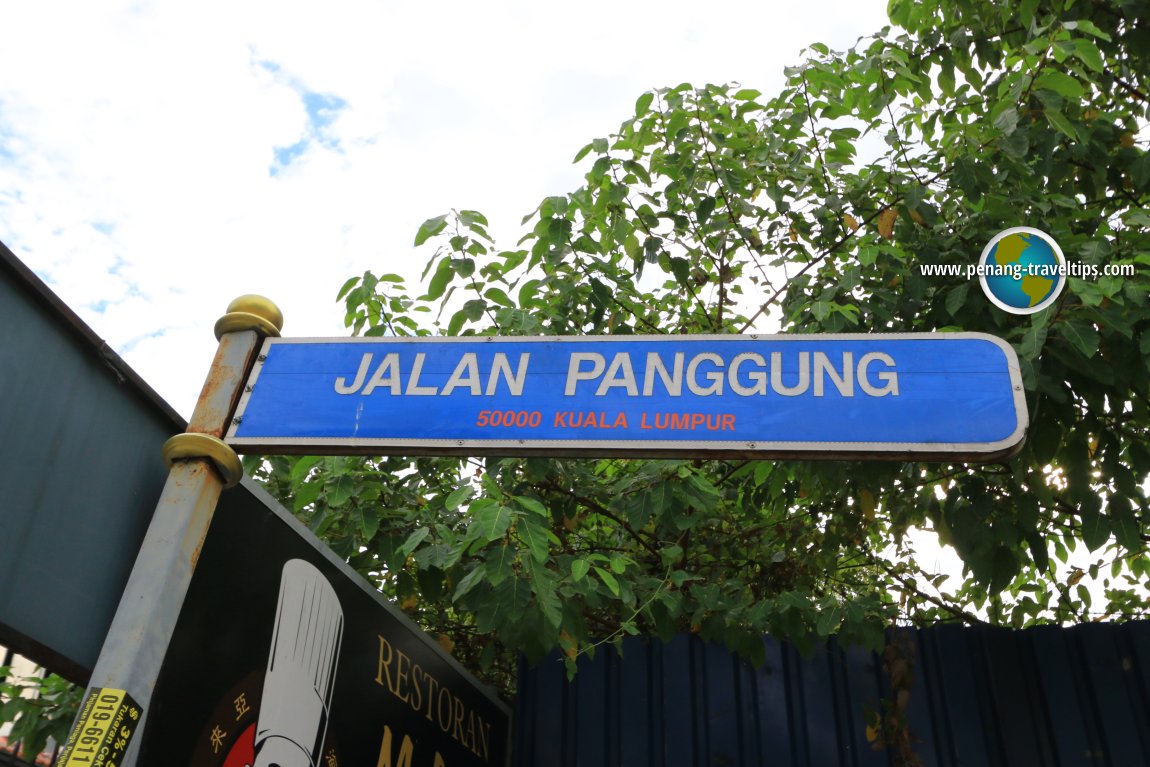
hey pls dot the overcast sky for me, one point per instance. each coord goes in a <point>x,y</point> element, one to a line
<point>158,159</point>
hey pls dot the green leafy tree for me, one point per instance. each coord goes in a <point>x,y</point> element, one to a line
<point>719,210</point>
<point>39,708</point>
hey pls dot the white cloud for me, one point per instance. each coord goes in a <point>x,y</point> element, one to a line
<point>136,138</point>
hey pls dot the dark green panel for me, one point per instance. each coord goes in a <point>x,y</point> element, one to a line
<point>80,472</point>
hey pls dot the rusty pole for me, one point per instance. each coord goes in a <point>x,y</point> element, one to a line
<point>201,466</point>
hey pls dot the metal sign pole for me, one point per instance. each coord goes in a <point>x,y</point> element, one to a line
<point>201,466</point>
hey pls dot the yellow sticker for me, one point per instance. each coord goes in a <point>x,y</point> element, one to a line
<point>103,730</point>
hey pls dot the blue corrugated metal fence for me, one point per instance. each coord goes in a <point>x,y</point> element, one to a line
<point>979,697</point>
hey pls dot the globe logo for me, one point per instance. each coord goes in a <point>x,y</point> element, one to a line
<point>1022,270</point>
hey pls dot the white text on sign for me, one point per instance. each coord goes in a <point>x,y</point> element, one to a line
<point>706,374</point>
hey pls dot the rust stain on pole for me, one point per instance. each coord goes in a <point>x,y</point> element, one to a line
<point>221,386</point>
<point>195,488</point>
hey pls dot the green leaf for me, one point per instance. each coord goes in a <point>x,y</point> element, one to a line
<point>1015,144</point>
<point>1005,567</point>
<point>443,274</point>
<point>703,212</point>
<point>600,293</point>
<point>1140,175</point>
<point>464,267</point>
<point>457,497</point>
<point>681,268</point>
<point>1059,121</point>
<point>413,541</point>
<point>1087,291</point>
<point>1082,336</point>
<point>489,523</point>
<point>1032,342</point>
<point>1061,83</point>
<point>368,523</point>
<point>643,103</point>
<point>1126,527</point>
<point>499,297</point>
<point>608,580</point>
<point>302,468</point>
<point>347,286</point>
<point>1088,53</point>
<point>527,292</point>
<point>470,581</point>
<point>534,535</point>
<point>1044,439</point>
<point>1007,120</point>
<point>470,218</point>
<point>829,621</point>
<point>339,491</point>
<point>1095,527</point>
<point>306,495</point>
<point>1089,27</point>
<point>640,506</point>
<point>1038,552</point>
<point>456,323</point>
<point>430,228</point>
<point>543,583</point>
<point>475,309</point>
<point>1026,12</point>
<point>532,505</point>
<point>956,298</point>
<point>579,569</point>
<point>651,248</point>
<point>500,564</point>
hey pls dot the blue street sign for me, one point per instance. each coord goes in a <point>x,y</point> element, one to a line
<point>931,395</point>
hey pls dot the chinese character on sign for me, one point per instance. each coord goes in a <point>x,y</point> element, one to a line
<point>242,706</point>
<point>331,760</point>
<point>217,737</point>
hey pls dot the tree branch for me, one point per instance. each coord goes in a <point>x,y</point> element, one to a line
<point>602,510</point>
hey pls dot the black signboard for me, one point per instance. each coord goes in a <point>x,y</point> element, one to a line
<point>283,656</point>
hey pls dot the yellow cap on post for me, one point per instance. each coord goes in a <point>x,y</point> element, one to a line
<point>251,312</point>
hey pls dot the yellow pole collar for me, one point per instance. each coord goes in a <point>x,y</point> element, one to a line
<point>192,445</point>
